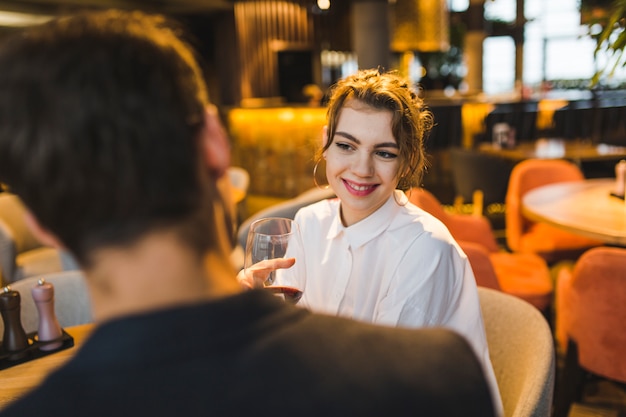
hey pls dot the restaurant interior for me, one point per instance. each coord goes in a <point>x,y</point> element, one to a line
<point>510,122</point>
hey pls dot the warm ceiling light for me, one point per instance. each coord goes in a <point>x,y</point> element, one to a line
<point>323,4</point>
<point>15,19</point>
<point>421,25</point>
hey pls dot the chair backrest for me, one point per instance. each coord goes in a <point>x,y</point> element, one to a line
<point>591,310</point>
<point>525,176</point>
<point>474,170</point>
<point>426,200</point>
<point>482,267</point>
<point>464,227</point>
<point>522,353</point>
<point>71,299</point>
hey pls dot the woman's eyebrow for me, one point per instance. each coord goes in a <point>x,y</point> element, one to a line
<point>348,136</point>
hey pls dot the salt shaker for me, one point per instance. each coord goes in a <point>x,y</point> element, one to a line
<point>620,178</point>
<point>49,329</point>
<point>14,338</point>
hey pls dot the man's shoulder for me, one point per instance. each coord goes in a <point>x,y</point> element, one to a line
<point>388,364</point>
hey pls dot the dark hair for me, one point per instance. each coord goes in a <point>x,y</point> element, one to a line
<point>100,115</point>
<point>410,122</point>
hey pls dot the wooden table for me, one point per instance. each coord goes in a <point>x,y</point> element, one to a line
<point>18,380</point>
<point>576,151</point>
<point>582,207</point>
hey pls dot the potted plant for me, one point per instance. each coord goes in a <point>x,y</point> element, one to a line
<point>611,39</point>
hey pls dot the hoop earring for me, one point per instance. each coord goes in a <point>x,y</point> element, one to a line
<point>406,200</point>
<point>406,193</point>
<point>315,178</point>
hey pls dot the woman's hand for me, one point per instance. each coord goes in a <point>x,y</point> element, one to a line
<point>256,275</point>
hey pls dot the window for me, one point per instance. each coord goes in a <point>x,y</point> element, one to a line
<point>556,46</point>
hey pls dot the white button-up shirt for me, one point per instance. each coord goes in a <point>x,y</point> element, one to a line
<point>400,267</point>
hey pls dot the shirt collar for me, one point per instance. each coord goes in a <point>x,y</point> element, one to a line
<point>372,226</point>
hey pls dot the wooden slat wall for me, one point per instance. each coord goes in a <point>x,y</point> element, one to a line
<point>263,28</point>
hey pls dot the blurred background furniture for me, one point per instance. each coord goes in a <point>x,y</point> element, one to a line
<point>524,275</point>
<point>448,128</point>
<point>577,120</point>
<point>21,254</point>
<point>585,208</point>
<point>590,317</point>
<point>481,179</point>
<point>522,353</point>
<point>472,228</point>
<point>482,267</point>
<point>474,170</point>
<point>521,116</point>
<point>581,152</point>
<point>526,236</point>
<point>71,299</point>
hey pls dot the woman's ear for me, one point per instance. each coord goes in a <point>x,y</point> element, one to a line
<point>215,145</point>
<point>42,234</point>
<point>325,137</point>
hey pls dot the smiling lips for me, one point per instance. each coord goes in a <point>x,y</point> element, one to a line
<point>359,189</point>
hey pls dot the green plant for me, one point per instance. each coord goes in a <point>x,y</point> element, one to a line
<point>611,40</point>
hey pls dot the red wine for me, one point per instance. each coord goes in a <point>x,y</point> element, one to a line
<point>291,294</point>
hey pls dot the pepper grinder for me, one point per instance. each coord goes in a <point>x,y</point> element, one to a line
<point>49,329</point>
<point>14,338</point>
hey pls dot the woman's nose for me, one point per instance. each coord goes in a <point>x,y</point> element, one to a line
<point>363,166</point>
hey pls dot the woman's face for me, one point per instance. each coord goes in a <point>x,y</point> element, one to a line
<point>362,161</point>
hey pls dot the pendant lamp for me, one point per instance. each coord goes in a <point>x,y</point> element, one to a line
<point>420,25</point>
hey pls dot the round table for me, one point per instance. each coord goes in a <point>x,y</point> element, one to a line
<point>583,207</point>
<point>18,380</point>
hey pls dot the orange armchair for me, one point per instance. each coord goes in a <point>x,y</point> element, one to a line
<point>590,317</point>
<point>524,275</point>
<point>471,228</point>
<point>484,272</point>
<point>523,235</point>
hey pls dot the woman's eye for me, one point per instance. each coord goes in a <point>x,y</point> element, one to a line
<point>343,146</point>
<point>386,155</point>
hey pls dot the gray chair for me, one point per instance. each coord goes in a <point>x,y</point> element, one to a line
<point>21,254</point>
<point>72,303</point>
<point>521,348</point>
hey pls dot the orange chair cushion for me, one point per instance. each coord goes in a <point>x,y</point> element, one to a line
<point>544,240</point>
<point>524,275</point>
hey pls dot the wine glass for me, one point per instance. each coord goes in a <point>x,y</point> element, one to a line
<point>273,238</point>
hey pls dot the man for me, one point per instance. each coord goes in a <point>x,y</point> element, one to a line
<point>107,134</point>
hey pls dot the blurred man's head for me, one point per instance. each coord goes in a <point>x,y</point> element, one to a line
<point>106,131</point>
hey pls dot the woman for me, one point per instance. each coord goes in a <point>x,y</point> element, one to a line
<point>370,254</point>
